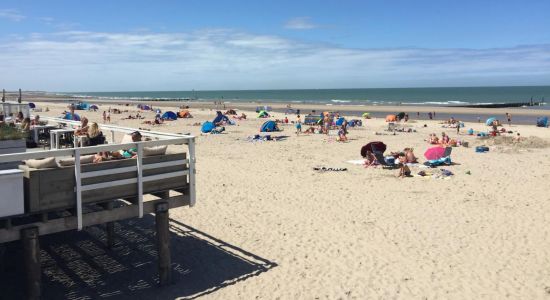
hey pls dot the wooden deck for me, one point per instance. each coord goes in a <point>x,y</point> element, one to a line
<point>71,198</point>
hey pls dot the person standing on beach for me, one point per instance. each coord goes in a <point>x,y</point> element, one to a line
<point>430,115</point>
<point>104,116</point>
<point>509,118</point>
<point>457,127</point>
<point>298,125</point>
<point>109,116</point>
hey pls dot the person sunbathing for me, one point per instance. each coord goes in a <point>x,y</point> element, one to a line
<point>311,129</point>
<point>433,139</point>
<point>444,139</point>
<point>410,158</point>
<point>130,153</point>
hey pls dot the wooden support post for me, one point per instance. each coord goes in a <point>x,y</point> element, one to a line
<point>7,223</point>
<point>163,243</point>
<point>110,228</point>
<point>31,257</point>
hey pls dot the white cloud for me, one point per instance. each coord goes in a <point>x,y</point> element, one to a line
<point>300,23</point>
<point>226,59</point>
<point>11,14</point>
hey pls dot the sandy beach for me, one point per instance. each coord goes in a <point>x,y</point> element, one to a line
<point>364,233</point>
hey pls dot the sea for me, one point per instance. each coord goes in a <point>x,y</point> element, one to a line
<point>444,96</point>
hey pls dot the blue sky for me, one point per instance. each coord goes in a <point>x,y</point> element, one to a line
<point>183,45</point>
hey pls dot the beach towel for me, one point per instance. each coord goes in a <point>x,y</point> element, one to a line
<point>324,169</point>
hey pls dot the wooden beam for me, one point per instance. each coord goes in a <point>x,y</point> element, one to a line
<point>163,243</point>
<point>92,218</point>
<point>31,258</point>
<point>110,227</point>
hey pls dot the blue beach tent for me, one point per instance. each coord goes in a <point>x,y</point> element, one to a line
<point>69,116</point>
<point>542,122</point>
<point>220,118</point>
<point>82,106</point>
<point>170,115</point>
<point>490,121</point>
<point>207,127</point>
<point>269,126</point>
<point>340,121</point>
<point>32,105</point>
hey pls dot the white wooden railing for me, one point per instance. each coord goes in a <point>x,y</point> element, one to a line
<point>163,139</point>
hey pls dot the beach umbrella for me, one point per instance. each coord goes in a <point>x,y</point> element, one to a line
<point>366,115</point>
<point>376,146</point>
<point>434,153</point>
<point>31,105</point>
<point>490,121</point>
<point>400,116</point>
<point>94,106</point>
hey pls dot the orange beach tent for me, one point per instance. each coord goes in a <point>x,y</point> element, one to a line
<point>391,118</point>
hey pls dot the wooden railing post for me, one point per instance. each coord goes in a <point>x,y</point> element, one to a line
<point>163,243</point>
<point>31,257</point>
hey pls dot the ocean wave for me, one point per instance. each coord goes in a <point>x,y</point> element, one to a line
<point>436,103</point>
<point>340,101</point>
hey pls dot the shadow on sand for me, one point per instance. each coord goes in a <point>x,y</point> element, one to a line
<point>77,265</point>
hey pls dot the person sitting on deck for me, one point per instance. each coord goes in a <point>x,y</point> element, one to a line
<point>35,121</point>
<point>26,125</point>
<point>19,118</point>
<point>132,152</point>
<point>95,136</point>
<point>83,128</point>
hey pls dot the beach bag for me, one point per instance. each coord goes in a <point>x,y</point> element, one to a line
<point>482,149</point>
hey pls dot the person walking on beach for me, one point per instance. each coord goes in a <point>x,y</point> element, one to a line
<point>298,125</point>
<point>457,127</point>
<point>430,115</point>
<point>104,116</point>
<point>109,116</point>
<point>509,118</point>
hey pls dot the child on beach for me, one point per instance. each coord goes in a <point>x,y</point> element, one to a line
<point>342,134</point>
<point>298,125</point>
<point>404,170</point>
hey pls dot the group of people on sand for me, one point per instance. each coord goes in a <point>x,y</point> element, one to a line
<point>402,159</point>
<point>433,139</point>
<point>324,127</point>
